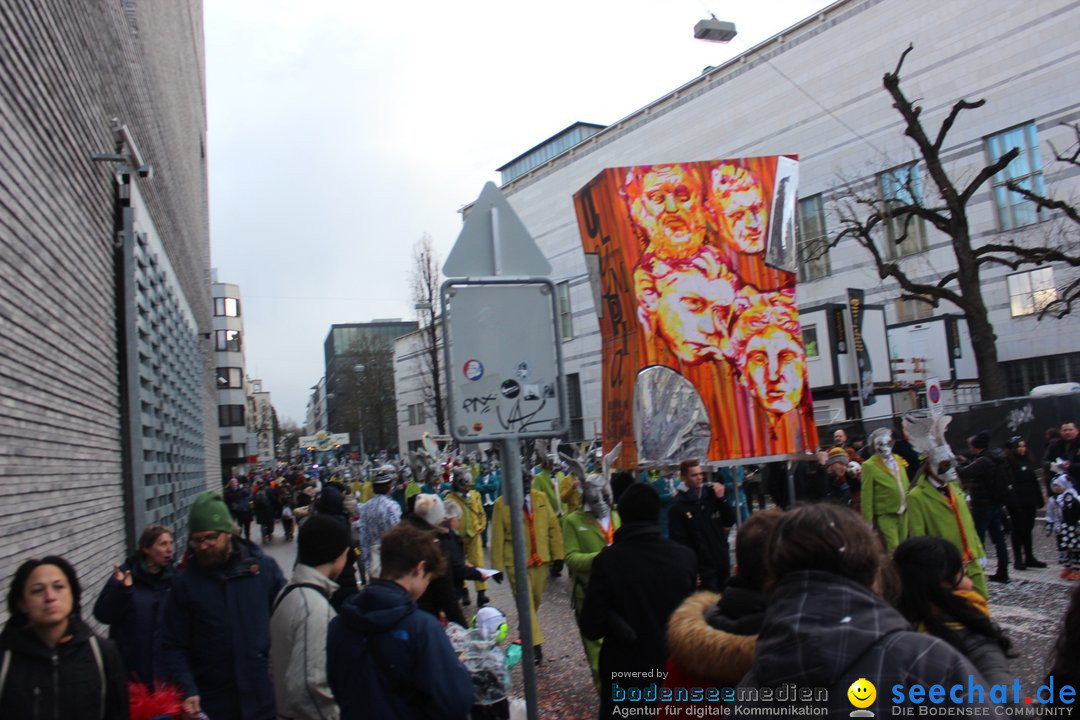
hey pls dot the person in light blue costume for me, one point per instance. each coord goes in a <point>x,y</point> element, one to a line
<point>489,485</point>
<point>733,476</point>
<point>664,483</point>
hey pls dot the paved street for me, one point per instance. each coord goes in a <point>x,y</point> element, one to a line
<point>1029,608</point>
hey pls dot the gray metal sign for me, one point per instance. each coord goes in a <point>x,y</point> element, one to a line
<point>503,359</point>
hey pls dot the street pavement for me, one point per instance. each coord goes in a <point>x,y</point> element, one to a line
<point>1030,609</point>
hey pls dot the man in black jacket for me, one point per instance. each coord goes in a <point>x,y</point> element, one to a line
<point>985,479</point>
<point>634,585</point>
<point>700,518</point>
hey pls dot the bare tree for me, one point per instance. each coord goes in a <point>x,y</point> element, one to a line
<point>864,213</point>
<point>425,287</point>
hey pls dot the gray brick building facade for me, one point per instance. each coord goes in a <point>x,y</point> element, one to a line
<point>107,414</point>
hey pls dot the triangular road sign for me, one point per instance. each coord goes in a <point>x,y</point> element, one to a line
<point>478,253</point>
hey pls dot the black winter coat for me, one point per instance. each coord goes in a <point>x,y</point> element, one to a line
<point>634,585</point>
<point>36,690</point>
<point>132,614</point>
<point>441,595</point>
<point>986,479</point>
<point>702,524</point>
<point>215,633</point>
<point>1024,490</point>
<point>825,631</point>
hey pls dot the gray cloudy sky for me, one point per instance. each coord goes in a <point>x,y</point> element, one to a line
<point>341,131</point>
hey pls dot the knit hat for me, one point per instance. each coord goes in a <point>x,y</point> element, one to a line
<point>981,440</point>
<point>209,512</point>
<point>322,539</point>
<point>430,508</point>
<point>837,455</point>
<point>639,503</point>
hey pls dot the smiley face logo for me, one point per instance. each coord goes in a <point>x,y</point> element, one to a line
<point>862,693</point>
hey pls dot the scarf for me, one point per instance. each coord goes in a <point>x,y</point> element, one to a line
<point>534,558</point>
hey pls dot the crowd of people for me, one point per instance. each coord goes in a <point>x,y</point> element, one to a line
<point>874,569</point>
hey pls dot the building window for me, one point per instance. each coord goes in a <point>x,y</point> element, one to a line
<point>812,243</point>
<point>227,340</point>
<point>909,310</point>
<point>226,307</point>
<point>230,378</point>
<point>809,341</point>
<point>1030,292</point>
<point>574,412</point>
<point>1014,210</point>
<point>231,416</point>
<point>417,414</point>
<point>566,317</point>
<point>905,235</point>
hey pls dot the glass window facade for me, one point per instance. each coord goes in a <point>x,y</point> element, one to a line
<point>231,415</point>
<point>902,186</point>
<point>1013,210</point>
<point>226,307</point>
<point>227,340</point>
<point>566,314</point>
<point>229,378</point>
<point>1030,292</point>
<point>813,242</point>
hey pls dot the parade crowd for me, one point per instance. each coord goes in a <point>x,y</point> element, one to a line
<point>875,568</point>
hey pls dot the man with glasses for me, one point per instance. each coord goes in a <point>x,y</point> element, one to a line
<point>215,629</point>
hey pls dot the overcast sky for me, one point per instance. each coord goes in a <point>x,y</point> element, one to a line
<point>340,132</point>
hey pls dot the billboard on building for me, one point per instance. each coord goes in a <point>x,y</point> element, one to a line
<point>702,350</point>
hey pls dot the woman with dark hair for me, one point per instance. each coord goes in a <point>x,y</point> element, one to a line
<point>938,597</point>
<point>1025,497</point>
<point>132,598</point>
<point>54,666</point>
<point>826,626</point>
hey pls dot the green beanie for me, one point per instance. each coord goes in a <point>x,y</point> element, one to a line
<point>209,512</point>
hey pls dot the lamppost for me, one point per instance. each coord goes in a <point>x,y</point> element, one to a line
<point>359,368</point>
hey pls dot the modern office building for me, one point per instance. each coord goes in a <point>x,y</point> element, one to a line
<point>815,90</point>
<point>360,381</point>
<point>233,386</point>
<point>107,419</point>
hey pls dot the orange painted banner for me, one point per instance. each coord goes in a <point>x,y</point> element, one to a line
<point>696,268</point>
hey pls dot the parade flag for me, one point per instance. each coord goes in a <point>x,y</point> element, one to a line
<point>856,303</point>
<point>694,268</point>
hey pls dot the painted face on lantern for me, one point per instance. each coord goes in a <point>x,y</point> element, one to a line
<point>667,206</point>
<point>740,207</point>
<point>775,367</point>
<point>693,311</point>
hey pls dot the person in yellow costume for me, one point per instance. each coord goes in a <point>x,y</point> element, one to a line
<point>473,523</point>
<point>883,499</point>
<point>569,492</point>
<point>543,546</point>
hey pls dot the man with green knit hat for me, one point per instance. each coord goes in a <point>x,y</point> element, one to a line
<point>215,628</point>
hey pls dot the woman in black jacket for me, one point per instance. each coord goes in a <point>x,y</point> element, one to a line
<point>1025,497</point>
<point>55,668</point>
<point>131,601</point>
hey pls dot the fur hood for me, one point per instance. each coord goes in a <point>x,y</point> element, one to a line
<point>704,651</point>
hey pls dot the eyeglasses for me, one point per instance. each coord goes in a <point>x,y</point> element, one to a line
<point>204,539</point>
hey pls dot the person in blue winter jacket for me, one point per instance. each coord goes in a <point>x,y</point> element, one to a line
<point>132,600</point>
<point>385,657</point>
<point>215,629</point>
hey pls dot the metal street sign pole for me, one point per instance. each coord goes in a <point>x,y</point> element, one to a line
<point>504,386</point>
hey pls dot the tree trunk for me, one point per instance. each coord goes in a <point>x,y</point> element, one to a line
<point>992,383</point>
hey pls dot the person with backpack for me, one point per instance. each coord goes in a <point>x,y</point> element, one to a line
<point>51,663</point>
<point>386,658</point>
<point>301,615</point>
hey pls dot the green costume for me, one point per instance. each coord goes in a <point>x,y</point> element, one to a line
<point>583,539</point>
<point>930,512</point>
<point>542,482</point>
<point>883,501</point>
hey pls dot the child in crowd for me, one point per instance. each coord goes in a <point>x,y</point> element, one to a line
<point>1063,519</point>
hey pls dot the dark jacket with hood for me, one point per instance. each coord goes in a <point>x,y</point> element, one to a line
<point>132,614</point>
<point>711,639</point>
<point>701,523</point>
<point>70,689</point>
<point>986,479</point>
<point>413,672</point>
<point>330,502</point>
<point>825,631</point>
<point>215,633</point>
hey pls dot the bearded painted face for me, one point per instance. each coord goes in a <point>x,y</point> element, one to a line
<point>670,212</point>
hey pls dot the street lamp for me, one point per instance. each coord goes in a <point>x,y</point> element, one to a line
<point>715,30</point>
<point>359,368</point>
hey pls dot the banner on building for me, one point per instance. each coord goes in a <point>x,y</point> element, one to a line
<point>694,267</point>
<point>856,304</point>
